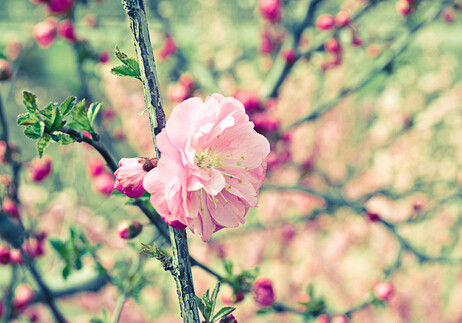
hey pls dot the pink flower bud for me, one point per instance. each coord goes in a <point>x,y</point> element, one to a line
<point>127,230</point>
<point>339,319</point>
<point>271,10</point>
<point>373,217</point>
<point>45,32</point>
<point>6,72</point>
<point>4,255</point>
<point>267,44</point>
<point>325,22</point>
<point>34,247</point>
<point>265,124</point>
<point>178,93</point>
<point>263,293</point>
<point>104,184</point>
<point>130,174</point>
<point>383,290</point>
<point>22,297</point>
<point>15,256</point>
<point>95,167</point>
<point>249,99</point>
<point>356,41</point>
<point>228,319</point>
<point>60,6</point>
<point>333,46</point>
<point>323,318</point>
<point>104,57</point>
<point>404,8</point>
<point>39,169</point>
<point>289,55</point>
<point>10,207</point>
<point>342,19</point>
<point>168,48</point>
<point>187,81</point>
<point>448,14</point>
<point>66,30</point>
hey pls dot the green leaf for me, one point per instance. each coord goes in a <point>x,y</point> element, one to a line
<point>35,130</point>
<point>215,292</point>
<point>42,144</point>
<point>93,112</point>
<point>60,247</point>
<point>80,118</point>
<point>30,101</point>
<point>228,267</point>
<point>25,119</point>
<point>128,61</point>
<point>56,120</point>
<point>225,311</point>
<point>48,110</point>
<point>201,306</point>
<point>67,105</point>
<point>123,70</point>
<point>62,139</point>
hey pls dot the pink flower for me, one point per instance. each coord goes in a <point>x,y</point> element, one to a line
<point>271,9</point>
<point>10,207</point>
<point>4,255</point>
<point>45,32</point>
<point>95,167</point>
<point>263,293</point>
<point>127,230</point>
<point>60,6</point>
<point>212,166</point>
<point>22,297</point>
<point>66,30</point>
<point>39,169</point>
<point>104,184</point>
<point>130,175</point>
<point>383,290</point>
<point>6,72</point>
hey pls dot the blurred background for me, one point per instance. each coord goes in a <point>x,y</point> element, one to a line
<point>361,101</point>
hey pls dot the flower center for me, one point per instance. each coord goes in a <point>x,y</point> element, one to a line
<point>207,159</point>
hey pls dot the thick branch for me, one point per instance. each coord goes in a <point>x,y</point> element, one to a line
<point>181,259</point>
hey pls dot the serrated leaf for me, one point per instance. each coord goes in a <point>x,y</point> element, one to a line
<point>225,311</point>
<point>42,144</point>
<point>62,139</point>
<point>128,61</point>
<point>56,120</point>
<point>30,101</point>
<point>93,112</point>
<point>67,105</point>
<point>123,70</point>
<point>26,119</point>
<point>80,118</point>
<point>48,110</point>
<point>35,130</point>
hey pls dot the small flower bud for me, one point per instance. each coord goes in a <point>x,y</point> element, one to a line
<point>178,93</point>
<point>66,30</point>
<point>289,55</point>
<point>6,72</point>
<point>333,46</point>
<point>323,318</point>
<point>95,167</point>
<point>4,255</point>
<point>404,8</point>
<point>15,256</point>
<point>228,319</point>
<point>45,32</point>
<point>22,297</point>
<point>325,22</point>
<point>104,184</point>
<point>342,19</point>
<point>168,48</point>
<point>249,100</point>
<point>127,230</point>
<point>187,81</point>
<point>373,217</point>
<point>263,293</point>
<point>339,319</point>
<point>383,290</point>
<point>10,207</point>
<point>60,6</point>
<point>104,57</point>
<point>271,10</point>
<point>39,169</point>
<point>130,174</point>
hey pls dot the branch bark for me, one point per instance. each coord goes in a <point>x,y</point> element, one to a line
<point>181,259</point>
